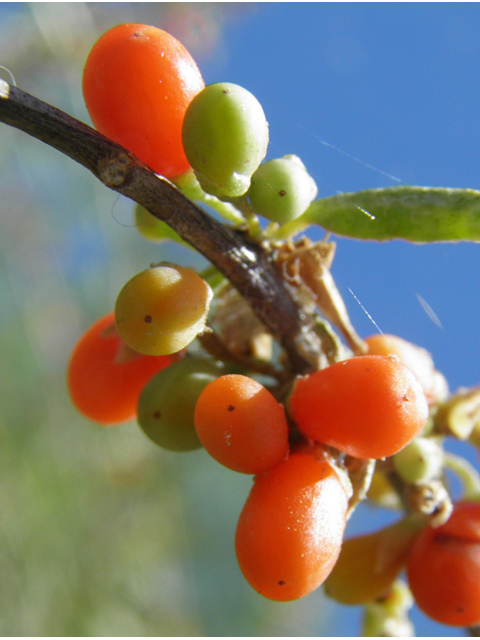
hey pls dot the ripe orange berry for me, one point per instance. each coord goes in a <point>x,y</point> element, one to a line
<point>367,406</point>
<point>137,83</point>
<point>241,424</point>
<point>416,358</point>
<point>105,377</point>
<point>290,530</point>
<point>444,568</point>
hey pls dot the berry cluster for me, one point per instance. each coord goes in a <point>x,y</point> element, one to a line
<point>184,355</point>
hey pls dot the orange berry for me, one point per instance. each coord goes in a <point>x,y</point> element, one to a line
<point>137,83</point>
<point>444,568</point>
<point>290,530</point>
<point>417,359</point>
<point>367,406</point>
<point>241,424</point>
<point>105,377</point>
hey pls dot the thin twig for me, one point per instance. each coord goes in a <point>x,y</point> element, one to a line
<point>242,261</point>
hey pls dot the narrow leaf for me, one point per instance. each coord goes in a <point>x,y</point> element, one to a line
<point>418,214</point>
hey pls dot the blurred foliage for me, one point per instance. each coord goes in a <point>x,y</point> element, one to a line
<point>102,533</point>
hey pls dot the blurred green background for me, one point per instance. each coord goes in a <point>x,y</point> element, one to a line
<point>102,533</point>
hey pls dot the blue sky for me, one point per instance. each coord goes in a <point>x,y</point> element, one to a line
<point>397,87</point>
<point>394,86</point>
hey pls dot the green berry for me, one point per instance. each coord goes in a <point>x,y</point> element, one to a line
<point>281,189</point>
<point>420,461</point>
<point>225,137</point>
<point>167,403</point>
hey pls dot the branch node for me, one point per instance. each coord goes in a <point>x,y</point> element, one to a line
<point>115,170</point>
<point>4,90</point>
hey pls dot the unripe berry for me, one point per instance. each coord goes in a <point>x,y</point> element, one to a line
<point>368,564</point>
<point>281,189</point>
<point>225,137</point>
<point>162,309</point>
<point>167,403</point>
<point>419,461</point>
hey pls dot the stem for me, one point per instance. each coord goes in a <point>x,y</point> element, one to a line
<point>189,186</point>
<point>291,229</point>
<point>244,263</point>
<point>467,474</point>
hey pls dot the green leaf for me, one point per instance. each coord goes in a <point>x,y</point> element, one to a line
<point>418,214</point>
